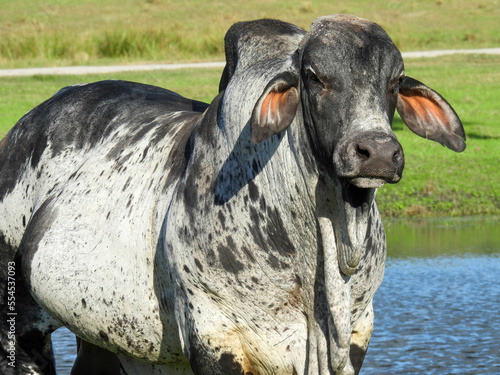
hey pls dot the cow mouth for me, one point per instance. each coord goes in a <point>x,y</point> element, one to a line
<point>360,194</point>
<point>357,197</point>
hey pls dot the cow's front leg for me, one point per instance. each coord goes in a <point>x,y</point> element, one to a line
<point>218,353</point>
<point>360,338</point>
<point>210,340</point>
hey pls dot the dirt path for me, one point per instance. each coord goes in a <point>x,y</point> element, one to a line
<point>82,70</point>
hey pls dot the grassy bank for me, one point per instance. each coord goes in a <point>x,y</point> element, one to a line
<point>65,32</point>
<point>436,181</point>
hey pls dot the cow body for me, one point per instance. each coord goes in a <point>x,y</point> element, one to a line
<point>236,238</point>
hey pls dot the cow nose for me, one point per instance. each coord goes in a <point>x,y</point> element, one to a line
<point>382,159</point>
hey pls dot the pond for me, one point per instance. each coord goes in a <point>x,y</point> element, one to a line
<point>438,308</point>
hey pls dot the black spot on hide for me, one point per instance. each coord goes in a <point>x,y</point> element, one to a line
<point>255,216</point>
<point>248,253</point>
<point>369,243</point>
<point>360,299</point>
<point>258,236</point>
<point>222,220</point>
<point>144,153</point>
<point>104,336</point>
<point>228,259</point>
<point>278,234</point>
<point>357,355</point>
<point>274,262</point>
<point>211,257</point>
<point>198,264</point>
<point>253,191</point>
<point>229,365</point>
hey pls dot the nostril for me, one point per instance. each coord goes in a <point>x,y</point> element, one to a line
<point>397,158</point>
<point>362,153</point>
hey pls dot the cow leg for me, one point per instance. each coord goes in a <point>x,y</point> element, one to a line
<point>360,338</point>
<point>93,360</point>
<point>25,328</point>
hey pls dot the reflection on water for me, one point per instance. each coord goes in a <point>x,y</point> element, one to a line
<point>439,237</point>
<point>438,308</point>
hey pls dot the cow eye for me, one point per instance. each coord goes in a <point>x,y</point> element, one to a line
<point>311,75</point>
<point>314,77</point>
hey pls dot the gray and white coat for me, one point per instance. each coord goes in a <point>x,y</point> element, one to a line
<point>240,237</point>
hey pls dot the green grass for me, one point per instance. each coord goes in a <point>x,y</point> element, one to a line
<point>65,32</point>
<point>436,181</point>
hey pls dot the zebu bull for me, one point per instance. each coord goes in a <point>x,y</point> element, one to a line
<point>240,237</point>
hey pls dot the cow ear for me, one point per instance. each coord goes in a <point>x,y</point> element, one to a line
<point>429,115</point>
<point>276,107</point>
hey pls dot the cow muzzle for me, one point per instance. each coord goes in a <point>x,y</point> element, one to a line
<point>370,162</point>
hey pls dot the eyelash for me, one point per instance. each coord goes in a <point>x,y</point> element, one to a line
<point>313,77</point>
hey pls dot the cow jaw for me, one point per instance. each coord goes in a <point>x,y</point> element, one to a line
<point>357,202</point>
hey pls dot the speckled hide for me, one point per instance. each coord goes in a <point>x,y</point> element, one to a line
<point>240,237</point>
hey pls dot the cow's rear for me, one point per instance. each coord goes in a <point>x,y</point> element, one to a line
<point>73,157</point>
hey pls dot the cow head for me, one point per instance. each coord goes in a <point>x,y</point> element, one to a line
<point>349,78</point>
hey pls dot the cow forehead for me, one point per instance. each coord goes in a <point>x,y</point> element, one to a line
<point>338,39</point>
<point>347,20</point>
<point>346,27</point>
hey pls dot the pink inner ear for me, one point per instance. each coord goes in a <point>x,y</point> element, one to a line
<point>269,113</point>
<point>276,112</point>
<point>427,114</point>
<point>424,109</point>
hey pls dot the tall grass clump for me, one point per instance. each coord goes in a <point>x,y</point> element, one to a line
<point>157,44</point>
<point>44,33</point>
<point>40,46</point>
<point>115,44</point>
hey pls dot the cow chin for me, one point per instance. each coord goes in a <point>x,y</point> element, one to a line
<point>357,196</point>
<point>368,183</point>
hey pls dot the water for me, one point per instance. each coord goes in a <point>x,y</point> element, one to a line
<point>437,316</point>
<point>438,308</point>
<point>64,345</point>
